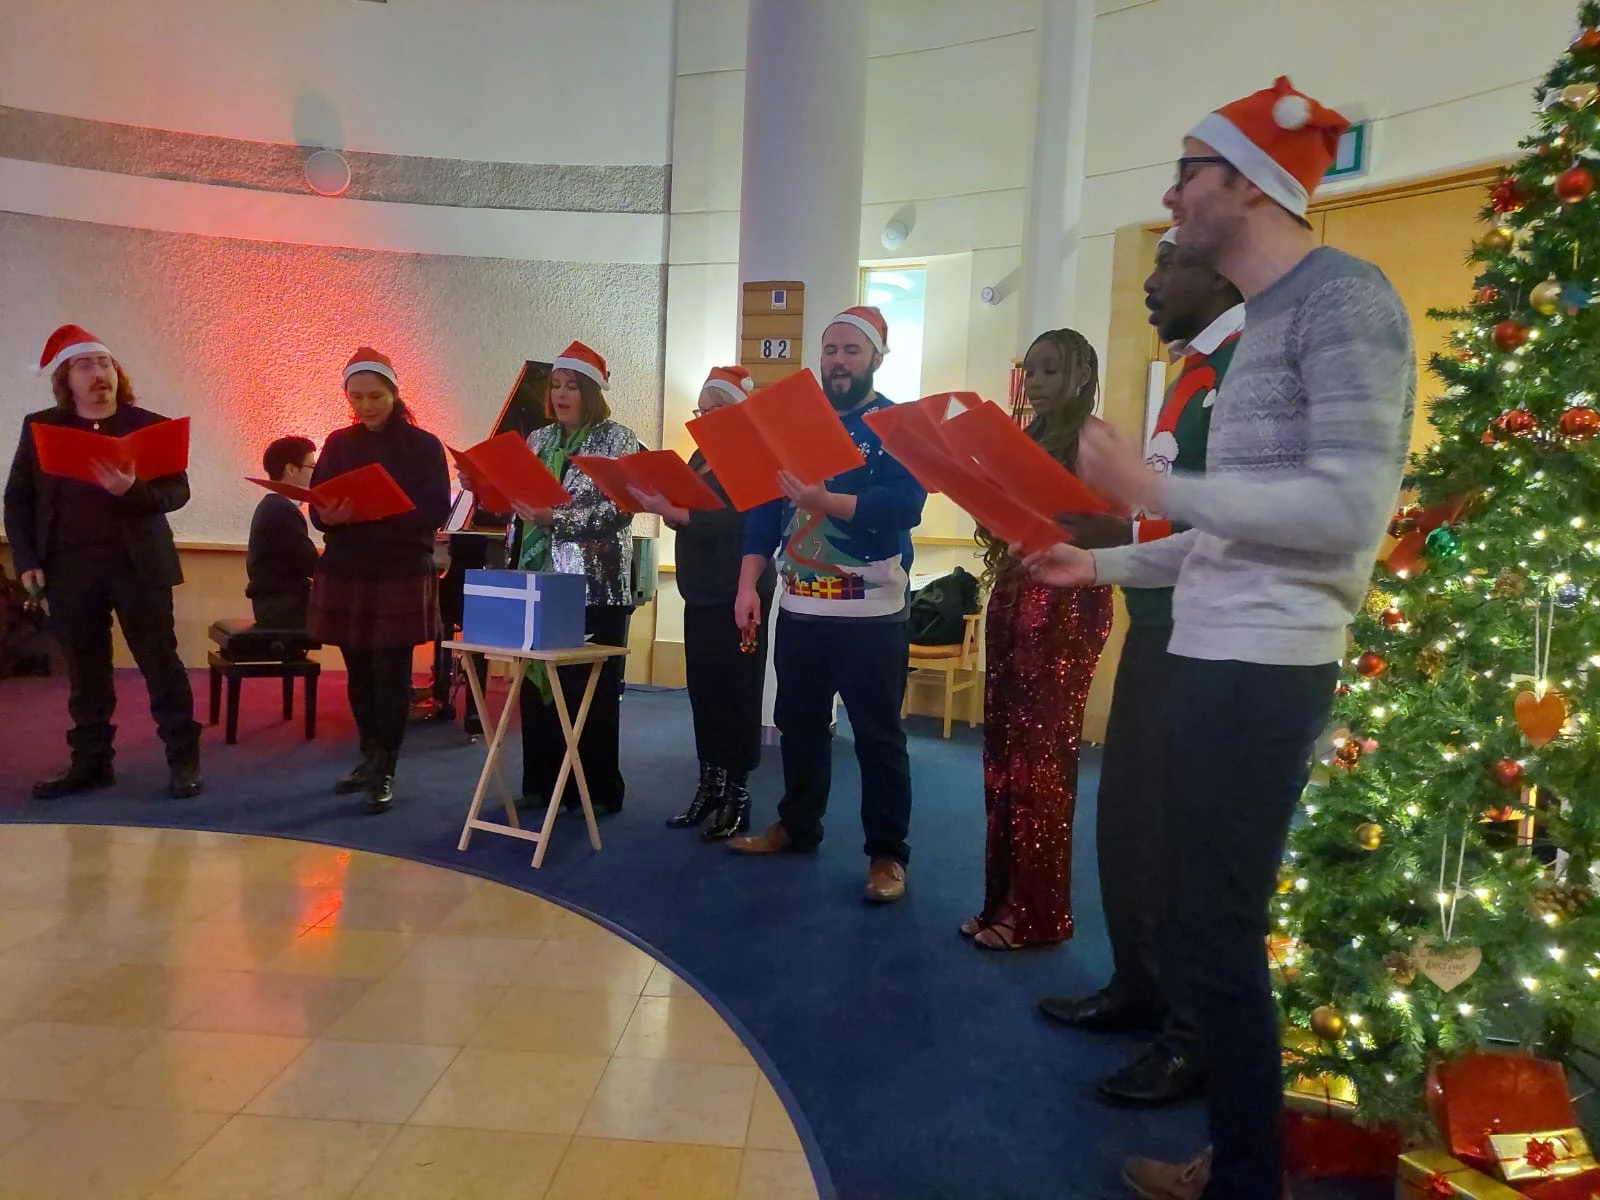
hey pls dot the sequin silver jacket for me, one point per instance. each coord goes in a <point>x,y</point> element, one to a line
<point>590,536</point>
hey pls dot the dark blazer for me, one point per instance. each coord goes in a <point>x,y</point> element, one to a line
<point>279,563</point>
<point>31,498</point>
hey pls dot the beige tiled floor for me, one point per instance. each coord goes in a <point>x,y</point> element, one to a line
<point>187,1016</point>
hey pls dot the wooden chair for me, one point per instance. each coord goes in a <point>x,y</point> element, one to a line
<point>930,663</point>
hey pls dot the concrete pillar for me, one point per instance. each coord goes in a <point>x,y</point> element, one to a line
<point>805,105</point>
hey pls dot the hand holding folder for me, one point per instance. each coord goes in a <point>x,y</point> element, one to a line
<point>148,453</point>
<point>659,471</point>
<point>789,426</point>
<point>505,472</point>
<point>371,492</point>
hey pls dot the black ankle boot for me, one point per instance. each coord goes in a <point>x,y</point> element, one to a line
<point>734,815</point>
<point>84,775</point>
<point>380,782</point>
<point>713,783</point>
<point>357,780</point>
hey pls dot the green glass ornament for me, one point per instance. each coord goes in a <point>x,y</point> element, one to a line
<point>1442,542</point>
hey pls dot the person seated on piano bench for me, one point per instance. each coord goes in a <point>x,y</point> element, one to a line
<point>282,556</point>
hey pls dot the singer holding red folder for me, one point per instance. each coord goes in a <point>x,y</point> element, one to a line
<point>94,549</point>
<point>375,594</point>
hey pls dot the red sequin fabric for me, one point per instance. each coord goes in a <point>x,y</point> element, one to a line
<point>1042,645</point>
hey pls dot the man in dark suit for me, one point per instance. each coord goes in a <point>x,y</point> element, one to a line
<point>93,550</point>
<point>282,556</point>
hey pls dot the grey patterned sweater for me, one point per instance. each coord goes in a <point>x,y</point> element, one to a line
<point>1308,441</point>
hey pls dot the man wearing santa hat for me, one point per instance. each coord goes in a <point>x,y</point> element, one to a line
<point>96,549</point>
<point>1307,444</point>
<point>844,548</point>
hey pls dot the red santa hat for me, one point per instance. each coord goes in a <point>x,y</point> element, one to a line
<point>869,320</point>
<point>585,361</point>
<point>735,381</point>
<point>368,359</point>
<point>1279,139</point>
<point>67,342</point>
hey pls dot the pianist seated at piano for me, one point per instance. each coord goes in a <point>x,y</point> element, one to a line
<point>588,536</point>
<point>282,557</point>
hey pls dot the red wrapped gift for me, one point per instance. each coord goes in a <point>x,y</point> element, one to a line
<point>1329,1147</point>
<point>1478,1095</point>
<point>1573,1187</point>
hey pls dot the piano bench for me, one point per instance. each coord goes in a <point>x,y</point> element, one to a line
<point>245,652</point>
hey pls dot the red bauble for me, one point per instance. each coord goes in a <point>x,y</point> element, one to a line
<point>1509,334</point>
<point>1589,39</point>
<point>1487,295</point>
<point>1519,422</point>
<point>1392,617</point>
<point>1404,520</point>
<point>1580,424</point>
<point>1371,664</point>
<point>1573,185</point>
<point>1508,774</point>
<point>1508,197</point>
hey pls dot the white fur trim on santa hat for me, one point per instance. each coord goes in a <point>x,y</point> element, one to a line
<point>866,327</point>
<point>582,368</point>
<point>1251,161</point>
<point>69,352</point>
<point>377,368</point>
<point>732,389</point>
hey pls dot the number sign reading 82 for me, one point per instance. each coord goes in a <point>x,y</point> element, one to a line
<point>776,348</point>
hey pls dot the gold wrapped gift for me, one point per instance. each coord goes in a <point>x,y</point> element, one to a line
<point>1426,1174</point>
<point>1530,1156</point>
<point>1314,1095</point>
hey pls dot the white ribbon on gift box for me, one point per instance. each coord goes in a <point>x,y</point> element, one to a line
<point>529,595</point>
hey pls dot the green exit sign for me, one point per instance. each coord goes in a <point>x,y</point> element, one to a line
<point>1351,159</point>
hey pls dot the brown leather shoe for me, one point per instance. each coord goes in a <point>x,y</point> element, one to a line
<point>886,881</point>
<point>773,840</point>
<point>1154,1180</point>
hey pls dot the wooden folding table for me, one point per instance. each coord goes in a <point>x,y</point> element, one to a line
<point>571,728</point>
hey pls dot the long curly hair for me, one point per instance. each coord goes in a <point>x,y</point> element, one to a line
<point>1057,430</point>
<point>63,391</point>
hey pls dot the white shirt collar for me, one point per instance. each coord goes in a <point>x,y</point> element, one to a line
<point>1213,335</point>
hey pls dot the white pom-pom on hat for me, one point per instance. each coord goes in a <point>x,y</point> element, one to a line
<point>1292,111</point>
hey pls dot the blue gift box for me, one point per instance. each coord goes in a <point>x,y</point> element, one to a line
<point>524,610</point>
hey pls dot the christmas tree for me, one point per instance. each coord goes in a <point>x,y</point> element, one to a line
<point>1438,897</point>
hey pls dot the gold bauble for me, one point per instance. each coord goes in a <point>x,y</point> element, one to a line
<point>1285,883</point>
<point>1375,603</point>
<point>1546,297</point>
<point>1508,585</point>
<point>1369,836</point>
<point>1328,1023</point>
<point>1401,967</point>
<point>1579,95</point>
<point>1430,661</point>
<point>1496,240</point>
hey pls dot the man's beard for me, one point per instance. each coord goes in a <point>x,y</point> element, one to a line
<point>860,389</point>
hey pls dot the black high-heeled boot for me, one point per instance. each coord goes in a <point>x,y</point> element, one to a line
<point>713,782</point>
<point>357,779</point>
<point>380,784</point>
<point>734,816</point>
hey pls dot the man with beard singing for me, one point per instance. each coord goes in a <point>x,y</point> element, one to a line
<point>844,550</point>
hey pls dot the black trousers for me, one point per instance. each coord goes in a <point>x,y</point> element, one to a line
<point>1238,757</point>
<point>542,743</point>
<point>379,685</point>
<point>281,610</point>
<point>1137,860</point>
<point>725,685</point>
<point>865,664</point>
<point>83,595</point>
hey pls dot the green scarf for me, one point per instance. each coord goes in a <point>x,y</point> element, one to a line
<point>534,554</point>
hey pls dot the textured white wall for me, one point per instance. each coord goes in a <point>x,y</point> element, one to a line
<point>248,339</point>
<point>495,80</point>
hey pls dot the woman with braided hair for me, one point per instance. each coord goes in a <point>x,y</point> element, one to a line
<point>1042,645</point>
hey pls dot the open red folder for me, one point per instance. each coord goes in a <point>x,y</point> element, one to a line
<point>371,490</point>
<point>151,452</point>
<point>650,471</point>
<point>789,426</point>
<point>506,471</point>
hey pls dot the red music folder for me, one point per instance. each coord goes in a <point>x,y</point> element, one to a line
<point>507,471</point>
<point>151,452</point>
<point>789,426</point>
<point>371,490</point>
<point>1004,452</point>
<point>651,471</point>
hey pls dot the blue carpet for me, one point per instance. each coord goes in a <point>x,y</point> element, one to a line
<point>913,1065</point>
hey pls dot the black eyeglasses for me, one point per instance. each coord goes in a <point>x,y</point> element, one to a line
<point>1188,162</point>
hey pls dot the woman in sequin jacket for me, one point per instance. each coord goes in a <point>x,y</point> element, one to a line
<point>588,536</point>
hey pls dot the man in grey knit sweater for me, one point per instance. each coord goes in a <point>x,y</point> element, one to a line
<point>1308,441</point>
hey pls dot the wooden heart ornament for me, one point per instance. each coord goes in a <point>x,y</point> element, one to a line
<point>1541,720</point>
<point>1448,965</point>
